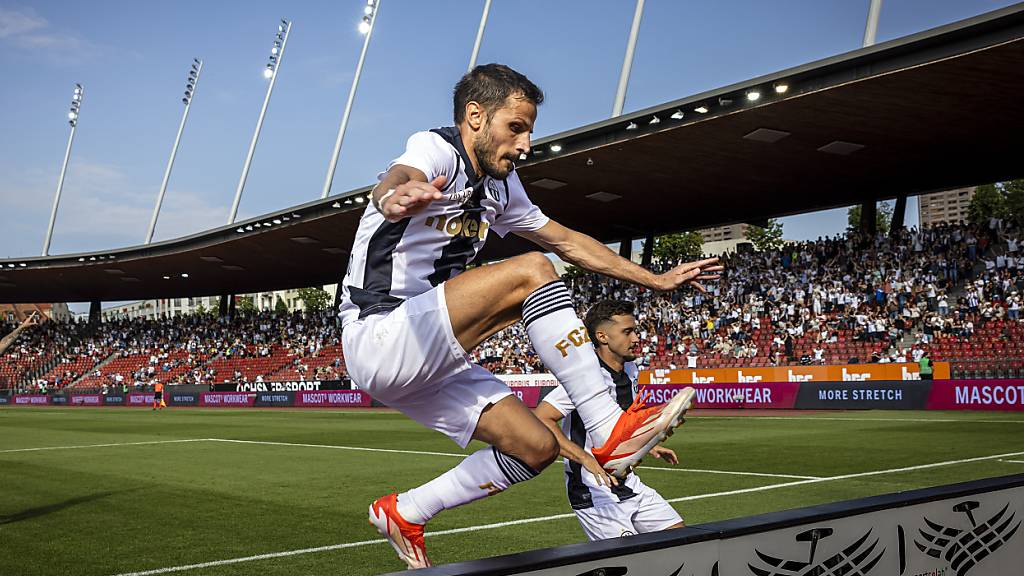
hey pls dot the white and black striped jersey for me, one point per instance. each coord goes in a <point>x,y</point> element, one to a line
<point>393,261</point>
<point>581,486</point>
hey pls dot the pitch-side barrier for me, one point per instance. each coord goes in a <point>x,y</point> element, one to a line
<point>1007,395</point>
<point>955,530</point>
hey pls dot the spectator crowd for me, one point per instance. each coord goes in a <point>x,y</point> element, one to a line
<point>884,298</point>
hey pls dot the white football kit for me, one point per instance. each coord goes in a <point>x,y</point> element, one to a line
<point>397,336</point>
<point>632,507</point>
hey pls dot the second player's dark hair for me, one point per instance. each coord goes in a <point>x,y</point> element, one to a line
<point>602,312</point>
<point>490,85</point>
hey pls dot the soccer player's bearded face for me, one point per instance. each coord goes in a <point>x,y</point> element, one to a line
<point>504,137</point>
<point>622,336</point>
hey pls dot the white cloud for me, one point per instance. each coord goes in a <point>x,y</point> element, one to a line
<point>101,208</point>
<point>27,30</point>
<point>14,23</point>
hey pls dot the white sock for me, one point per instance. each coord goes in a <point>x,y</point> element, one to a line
<point>483,473</point>
<point>562,343</point>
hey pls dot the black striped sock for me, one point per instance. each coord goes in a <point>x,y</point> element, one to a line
<point>549,298</point>
<point>514,469</point>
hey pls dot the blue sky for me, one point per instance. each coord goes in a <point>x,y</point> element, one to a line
<point>132,58</point>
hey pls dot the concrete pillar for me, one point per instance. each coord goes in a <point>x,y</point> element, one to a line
<point>94,312</point>
<point>869,218</point>
<point>222,310</point>
<point>898,215</point>
<point>648,251</point>
<point>626,248</point>
<point>231,305</point>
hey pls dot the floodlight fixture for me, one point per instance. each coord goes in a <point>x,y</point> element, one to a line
<point>753,95</point>
<point>781,87</point>
<point>556,147</point>
<point>701,109</point>
<point>654,120</point>
<point>631,126</point>
<point>677,115</point>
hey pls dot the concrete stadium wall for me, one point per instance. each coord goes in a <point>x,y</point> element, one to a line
<point>951,530</point>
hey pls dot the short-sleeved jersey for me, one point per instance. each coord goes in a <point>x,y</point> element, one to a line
<point>581,486</point>
<point>393,261</point>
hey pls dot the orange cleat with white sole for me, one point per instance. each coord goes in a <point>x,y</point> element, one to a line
<point>405,537</point>
<point>638,430</point>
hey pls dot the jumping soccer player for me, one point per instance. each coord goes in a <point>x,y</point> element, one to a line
<point>411,312</point>
<point>605,506</point>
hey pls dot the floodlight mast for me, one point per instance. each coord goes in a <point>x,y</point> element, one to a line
<point>75,111</point>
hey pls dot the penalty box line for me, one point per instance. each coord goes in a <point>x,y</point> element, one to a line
<point>368,449</point>
<point>457,455</point>
<point>273,555</point>
<point>44,448</point>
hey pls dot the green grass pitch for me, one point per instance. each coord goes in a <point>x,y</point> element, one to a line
<point>114,497</point>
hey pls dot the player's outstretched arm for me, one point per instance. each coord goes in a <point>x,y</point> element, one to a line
<point>550,416</point>
<point>404,191</point>
<point>6,342</point>
<point>587,253</point>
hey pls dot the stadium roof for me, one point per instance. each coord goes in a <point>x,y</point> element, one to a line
<point>933,111</point>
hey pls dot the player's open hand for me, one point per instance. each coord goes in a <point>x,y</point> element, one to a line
<point>602,475</point>
<point>691,274</point>
<point>666,454</point>
<point>409,198</point>
<point>32,320</point>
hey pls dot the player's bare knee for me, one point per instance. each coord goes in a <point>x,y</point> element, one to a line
<point>543,452</point>
<point>536,270</point>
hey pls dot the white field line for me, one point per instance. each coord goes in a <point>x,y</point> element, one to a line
<point>1013,461</point>
<point>334,447</point>
<point>104,445</point>
<point>849,419</point>
<point>729,472</point>
<point>552,517</point>
<point>366,449</point>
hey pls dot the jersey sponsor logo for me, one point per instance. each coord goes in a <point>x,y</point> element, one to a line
<point>461,224</point>
<point>461,196</point>
<point>577,338</point>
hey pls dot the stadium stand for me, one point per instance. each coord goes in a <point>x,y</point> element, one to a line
<point>953,291</point>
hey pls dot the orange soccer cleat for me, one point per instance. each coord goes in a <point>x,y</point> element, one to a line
<point>405,537</point>
<point>638,430</point>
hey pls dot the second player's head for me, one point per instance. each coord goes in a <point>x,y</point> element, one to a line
<point>496,107</point>
<point>612,327</point>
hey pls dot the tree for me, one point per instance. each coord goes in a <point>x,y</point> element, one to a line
<point>766,238</point>
<point>988,201</point>
<point>314,299</point>
<point>1013,193</point>
<point>883,217</point>
<point>245,305</point>
<point>573,271</point>
<point>280,307</point>
<point>679,247</point>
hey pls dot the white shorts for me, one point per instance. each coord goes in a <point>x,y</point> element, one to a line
<point>410,360</point>
<point>645,512</point>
